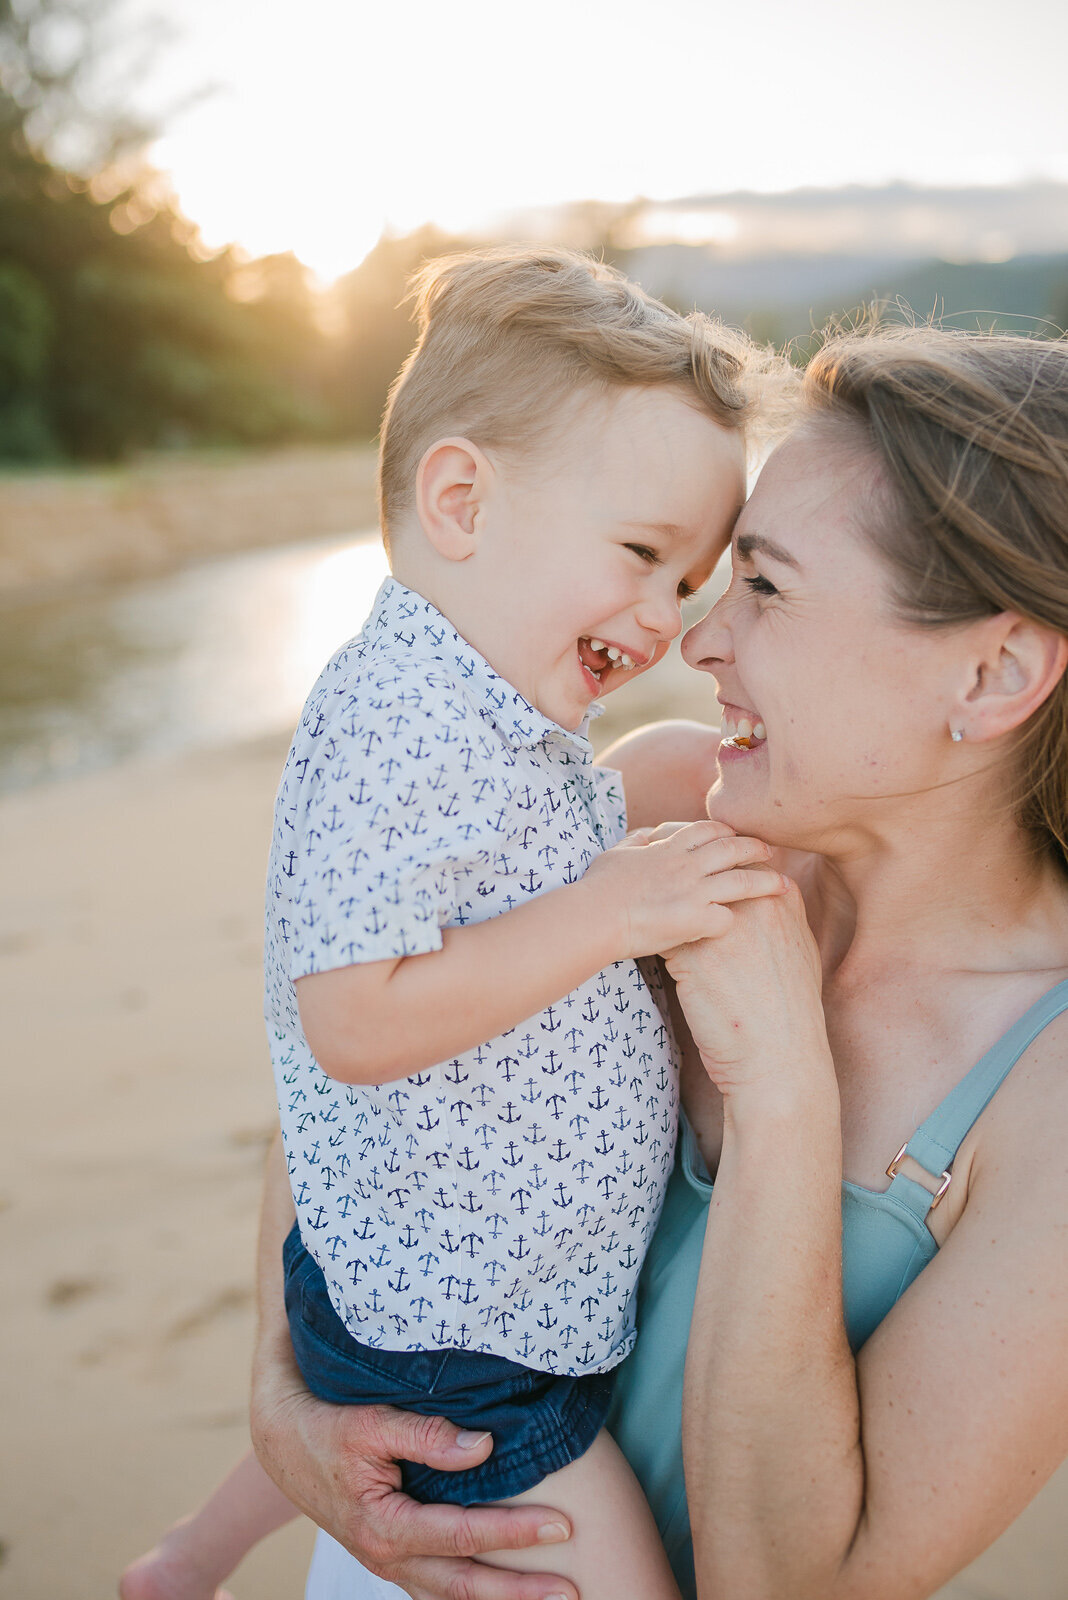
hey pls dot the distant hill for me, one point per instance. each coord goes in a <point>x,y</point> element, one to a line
<point>784,296</point>
<point>901,220</point>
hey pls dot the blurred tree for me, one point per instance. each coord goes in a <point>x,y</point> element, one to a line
<point>26,329</point>
<point>71,68</point>
<point>375,325</point>
<point>122,335</point>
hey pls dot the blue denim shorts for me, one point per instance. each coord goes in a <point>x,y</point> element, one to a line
<point>539,1421</point>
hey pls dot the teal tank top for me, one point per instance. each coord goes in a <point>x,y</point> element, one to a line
<point>885,1245</point>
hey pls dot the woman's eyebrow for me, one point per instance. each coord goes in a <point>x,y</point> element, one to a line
<point>747,543</point>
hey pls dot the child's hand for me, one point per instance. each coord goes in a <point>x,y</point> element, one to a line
<point>670,885</point>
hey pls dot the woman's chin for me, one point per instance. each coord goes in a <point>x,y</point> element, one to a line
<point>744,813</point>
<point>728,808</point>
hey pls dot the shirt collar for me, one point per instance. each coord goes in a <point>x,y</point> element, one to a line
<point>402,616</point>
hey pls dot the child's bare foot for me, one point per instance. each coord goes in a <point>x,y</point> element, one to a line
<point>170,1572</point>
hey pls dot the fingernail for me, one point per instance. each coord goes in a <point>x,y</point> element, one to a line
<point>553,1533</point>
<point>470,1441</point>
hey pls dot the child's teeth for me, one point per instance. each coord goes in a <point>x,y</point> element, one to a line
<point>745,728</point>
<point>625,660</point>
<point>596,644</point>
<point>759,731</point>
<point>613,653</point>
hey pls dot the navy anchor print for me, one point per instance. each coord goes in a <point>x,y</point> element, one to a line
<point>501,1201</point>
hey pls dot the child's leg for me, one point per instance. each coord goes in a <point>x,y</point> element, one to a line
<point>615,1552</point>
<point>198,1553</point>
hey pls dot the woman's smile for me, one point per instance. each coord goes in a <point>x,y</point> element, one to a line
<point>742,730</point>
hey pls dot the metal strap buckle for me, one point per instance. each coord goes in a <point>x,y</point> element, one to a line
<point>943,1184</point>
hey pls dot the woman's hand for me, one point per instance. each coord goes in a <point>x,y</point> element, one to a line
<point>752,999</point>
<point>339,1465</point>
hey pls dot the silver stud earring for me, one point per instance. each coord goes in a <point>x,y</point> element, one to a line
<point>956,734</point>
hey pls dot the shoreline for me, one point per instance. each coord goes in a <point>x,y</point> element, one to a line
<point>60,530</point>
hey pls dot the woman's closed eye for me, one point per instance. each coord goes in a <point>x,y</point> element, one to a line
<point>760,585</point>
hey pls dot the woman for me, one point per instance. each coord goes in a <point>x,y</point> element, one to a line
<point>875,1383</point>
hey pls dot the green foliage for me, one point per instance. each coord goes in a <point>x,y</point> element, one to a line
<point>376,331</point>
<point>115,334</point>
<point>26,330</point>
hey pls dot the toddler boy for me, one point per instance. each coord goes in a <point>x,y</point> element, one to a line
<point>476,1082</point>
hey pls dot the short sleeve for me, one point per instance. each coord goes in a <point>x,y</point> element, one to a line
<point>371,824</point>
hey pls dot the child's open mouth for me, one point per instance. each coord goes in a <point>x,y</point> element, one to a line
<point>596,658</point>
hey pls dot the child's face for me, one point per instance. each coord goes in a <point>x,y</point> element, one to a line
<point>589,547</point>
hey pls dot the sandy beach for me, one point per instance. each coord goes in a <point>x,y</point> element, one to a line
<point>130,937</point>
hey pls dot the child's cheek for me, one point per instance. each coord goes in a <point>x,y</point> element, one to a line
<point>658,655</point>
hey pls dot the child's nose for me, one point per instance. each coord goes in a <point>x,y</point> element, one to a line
<point>661,615</point>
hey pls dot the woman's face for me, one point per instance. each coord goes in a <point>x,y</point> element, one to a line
<point>853,703</point>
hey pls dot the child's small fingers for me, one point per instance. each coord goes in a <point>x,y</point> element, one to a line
<point>665,830</point>
<point>715,855</point>
<point>695,834</point>
<point>744,883</point>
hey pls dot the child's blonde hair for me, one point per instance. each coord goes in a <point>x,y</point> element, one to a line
<point>506,335</point>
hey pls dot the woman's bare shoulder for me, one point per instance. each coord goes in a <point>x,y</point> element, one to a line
<point>667,769</point>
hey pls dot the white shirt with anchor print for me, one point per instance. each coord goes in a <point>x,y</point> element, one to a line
<point>501,1201</point>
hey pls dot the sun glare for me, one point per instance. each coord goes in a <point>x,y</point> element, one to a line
<point>324,128</point>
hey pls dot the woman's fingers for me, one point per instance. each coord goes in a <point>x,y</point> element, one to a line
<point>449,1530</point>
<point>432,1441</point>
<point>469,1580</point>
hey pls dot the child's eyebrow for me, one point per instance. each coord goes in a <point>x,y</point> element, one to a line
<point>747,543</point>
<point>670,530</point>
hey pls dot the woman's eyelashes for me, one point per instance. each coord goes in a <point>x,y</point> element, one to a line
<point>760,585</point>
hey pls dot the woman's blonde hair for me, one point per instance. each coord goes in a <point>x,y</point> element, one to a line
<point>972,433</point>
<point>508,335</point>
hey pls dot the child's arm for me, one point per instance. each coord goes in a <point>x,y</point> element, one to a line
<point>384,1020</point>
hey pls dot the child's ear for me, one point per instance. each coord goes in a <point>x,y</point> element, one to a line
<point>449,486</point>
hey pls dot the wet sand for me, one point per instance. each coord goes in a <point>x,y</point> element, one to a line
<point>137,1106</point>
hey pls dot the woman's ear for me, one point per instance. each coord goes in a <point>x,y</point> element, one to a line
<point>449,485</point>
<point>1020,665</point>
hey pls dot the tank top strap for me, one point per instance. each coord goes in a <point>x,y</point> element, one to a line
<point>935,1143</point>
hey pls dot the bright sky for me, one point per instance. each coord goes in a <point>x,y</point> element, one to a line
<point>334,118</point>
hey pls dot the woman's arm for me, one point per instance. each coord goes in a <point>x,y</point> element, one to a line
<point>812,1476</point>
<point>667,769</point>
<point>338,1464</point>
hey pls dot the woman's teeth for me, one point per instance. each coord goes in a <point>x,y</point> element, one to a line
<point>618,658</point>
<point>742,732</point>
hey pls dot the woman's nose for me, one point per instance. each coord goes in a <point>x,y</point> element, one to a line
<point>707,645</point>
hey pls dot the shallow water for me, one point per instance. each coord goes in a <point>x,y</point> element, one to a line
<point>223,650</point>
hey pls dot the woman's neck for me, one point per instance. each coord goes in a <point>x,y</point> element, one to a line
<point>975,899</point>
